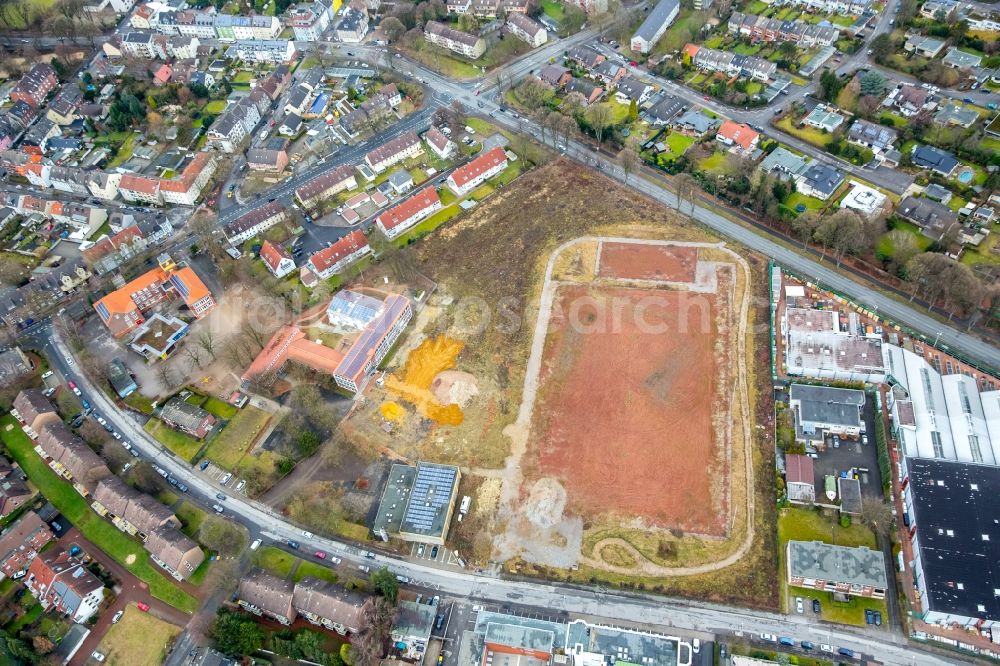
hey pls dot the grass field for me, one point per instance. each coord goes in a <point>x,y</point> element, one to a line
<point>183,445</point>
<point>139,639</point>
<point>191,516</point>
<point>717,163</point>
<point>554,10</point>
<point>215,107</point>
<point>439,60</point>
<point>116,544</point>
<point>677,144</point>
<point>796,198</point>
<point>808,134</point>
<point>275,561</point>
<point>231,444</point>
<point>220,408</point>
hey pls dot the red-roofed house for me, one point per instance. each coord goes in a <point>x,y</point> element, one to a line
<point>277,259</point>
<point>799,480</point>
<point>405,215</point>
<point>739,137</point>
<point>162,75</point>
<point>334,259</point>
<point>442,146</point>
<point>140,188</point>
<point>691,50</point>
<point>186,188</point>
<point>467,178</point>
<point>61,582</point>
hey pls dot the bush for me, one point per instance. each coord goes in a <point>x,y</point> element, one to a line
<point>845,520</point>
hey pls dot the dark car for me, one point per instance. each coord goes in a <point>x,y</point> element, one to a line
<point>878,618</point>
<point>439,622</point>
<point>869,616</point>
<point>203,465</point>
<point>815,605</point>
<point>181,487</point>
<point>846,652</point>
<point>807,645</point>
<point>293,544</point>
<point>434,552</point>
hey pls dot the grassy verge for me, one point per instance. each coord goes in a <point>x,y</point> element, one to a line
<point>316,571</point>
<point>139,402</point>
<point>116,544</point>
<point>275,561</point>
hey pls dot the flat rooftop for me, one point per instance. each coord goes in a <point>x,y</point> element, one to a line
<point>824,350</point>
<point>824,404</point>
<point>623,645</point>
<point>957,519</point>
<point>859,566</point>
<point>812,321</point>
<point>156,332</point>
<point>394,499</point>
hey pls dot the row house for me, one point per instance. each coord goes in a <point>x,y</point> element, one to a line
<point>842,7</point>
<point>761,28</point>
<point>394,151</point>
<point>109,252</point>
<point>21,542</point>
<point>128,509</point>
<point>322,604</point>
<point>48,289</point>
<point>239,121</point>
<point>609,73</point>
<point>62,583</point>
<point>33,410</point>
<point>144,189</point>
<point>272,157</point>
<point>585,56</point>
<point>173,552</point>
<point>35,85</point>
<point>272,51</point>
<point>311,21</point>
<point>13,491</point>
<point>335,259</point>
<point>527,29</point>
<point>64,107</point>
<point>326,186</point>
<point>734,65</point>
<point>403,216</point>
<point>460,42</point>
<point>187,22</point>
<point>469,176</point>
<point>70,457</point>
<point>239,28</point>
<point>83,218</point>
<point>207,25</point>
<point>150,46</point>
<point>186,188</point>
<point>255,221</point>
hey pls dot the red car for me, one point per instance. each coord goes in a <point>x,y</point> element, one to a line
<point>143,607</point>
<point>320,554</point>
<point>71,384</point>
<point>706,96</point>
<point>633,63</point>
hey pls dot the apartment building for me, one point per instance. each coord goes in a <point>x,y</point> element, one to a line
<point>255,221</point>
<point>393,152</point>
<point>405,215</point>
<point>460,42</point>
<point>469,176</point>
<point>332,260</point>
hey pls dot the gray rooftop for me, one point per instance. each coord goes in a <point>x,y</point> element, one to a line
<point>823,404</point>
<point>784,161</point>
<point>859,566</point>
<point>415,620</point>
<point>657,17</point>
<point>521,637</point>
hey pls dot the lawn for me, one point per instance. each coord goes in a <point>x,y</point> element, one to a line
<point>983,254</point>
<point>897,121</point>
<point>124,152</point>
<point>717,163</point>
<point>677,35</point>
<point>183,445</point>
<point>139,402</point>
<point>747,49</point>
<point>554,9</point>
<point>678,143</point>
<point>75,508</point>
<point>242,76</point>
<point>316,570</point>
<point>230,445</point>
<point>220,408</point>
<point>619,112</point>
<point>215,107</point>
<point>139,639</point>
<point>275,561</point>
<point>809,134</point>
<point>796,198</point>
<point>814,525</point>
<point>438,59</point>
<point>191,516</point>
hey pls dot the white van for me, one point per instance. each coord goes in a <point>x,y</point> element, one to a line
<point>255,545</point>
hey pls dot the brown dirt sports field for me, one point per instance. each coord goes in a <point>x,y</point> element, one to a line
<point>634,261</point>
<point>623,418</point>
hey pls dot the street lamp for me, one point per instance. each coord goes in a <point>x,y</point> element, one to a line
<point>936,337</point>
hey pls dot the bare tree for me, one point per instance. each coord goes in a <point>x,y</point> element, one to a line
<point>193,355</point>
<point>685,188</point>
<point>372,639</point>
<point>206,340</point>
<point>876,513</point>
<point>629,158</point>
<point>165,375</point>
<point>599,117</point>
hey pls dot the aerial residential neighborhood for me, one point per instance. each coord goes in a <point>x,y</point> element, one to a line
<point>488,332</point>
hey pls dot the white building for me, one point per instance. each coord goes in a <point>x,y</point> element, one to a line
<point>526,29</point>
<point>405,215</point>
<point>275,51</point>
<point>441,35</point>
<point>866,200</point>
<point>656,23</point>
<point>468,177</point>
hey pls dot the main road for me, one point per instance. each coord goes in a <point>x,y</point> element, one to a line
<point>636,609</point>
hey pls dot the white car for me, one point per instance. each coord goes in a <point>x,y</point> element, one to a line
<point>226,479</point>
<point>126,467</point>
<point>241,485</point>
<point>97,656</point>
<point>255,545</point>
<point>307,534</point>
<point>117,617</point>
<point>826,648</point>
<point>771,638</point>
<point>798,605</point>
<point>70,361</point>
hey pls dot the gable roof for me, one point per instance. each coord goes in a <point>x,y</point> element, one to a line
<point>738,133</point>
<point>484,162</point>
<point>272,254</point>
<point>346,246</point>
<point>798,469</point>
<point>167,544</point>
<point>268,593</point>
<point>327,601</point>
<point>403,211</point>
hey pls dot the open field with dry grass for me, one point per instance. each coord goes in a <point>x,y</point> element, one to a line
<point>489,268</point>
<point>139,639</point>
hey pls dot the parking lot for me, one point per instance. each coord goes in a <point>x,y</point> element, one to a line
<point>852,454</point>
<point>437,554</point>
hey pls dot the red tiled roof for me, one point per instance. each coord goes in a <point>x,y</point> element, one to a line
<point>272,254</point>
<point>346,246</point>
<point>400,213</point>
<point>484,162</point>
<point>136,183</point>
<point>185,181</point>
<point>738,133</point>
<point>799,469</point>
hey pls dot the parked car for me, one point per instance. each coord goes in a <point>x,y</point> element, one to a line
<point>434,553</point>
<point>217,508</point>
<point>320,554</point>
<point>806,645</point>
<point>144,607</point>
<point>220,497</point>
<point>869,616</point>
<point>770,638</point>
<point>307,534</point>
<point>826,648</point>
<point>816,606</point>
<point>878,618</point>
<point>784,640</point>
<point>227,478</point>
<point>846,652</point>
<point>97,656</point>
<point>798,604</point>
<point>364,567</point>
<point>293,544</point>
<point>117,617</point>
<point>74,551</point>
<point>255,545</point>
<point>203,465</point>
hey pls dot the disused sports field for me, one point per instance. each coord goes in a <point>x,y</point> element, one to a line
<point>489,267</point>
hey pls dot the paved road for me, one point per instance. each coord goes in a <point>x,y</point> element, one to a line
<point>680,615</point>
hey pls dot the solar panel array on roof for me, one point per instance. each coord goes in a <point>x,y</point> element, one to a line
<point>431,491</point>
<point>370,337</point>
<point>364,309</point>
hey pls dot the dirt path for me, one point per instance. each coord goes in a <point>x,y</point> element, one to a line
<point>520,429</point>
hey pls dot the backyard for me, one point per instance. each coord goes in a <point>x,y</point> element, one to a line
<point>811,135</point>
<point>236,438</point>
<point>184,445</point>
